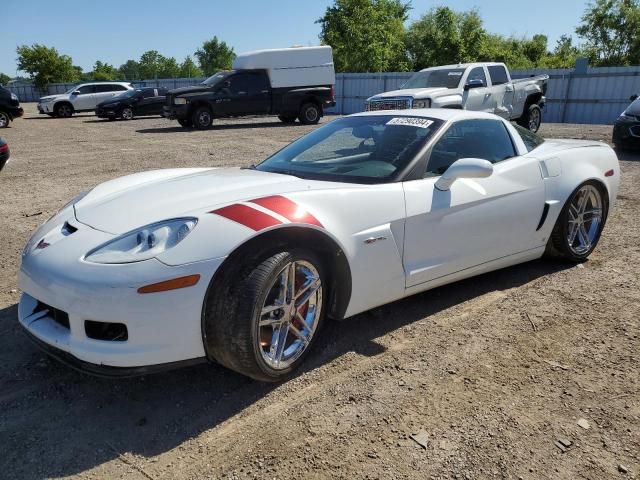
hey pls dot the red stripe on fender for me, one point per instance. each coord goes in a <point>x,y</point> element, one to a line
<point>247,216</point>
<point>288,209</point>
<point>609,173</point>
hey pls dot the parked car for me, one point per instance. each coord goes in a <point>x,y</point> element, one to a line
<point>9,107</point>
<point>626,129</point>
<point>5,153</point>
<point>242,266</point>
<point>481,87</point>
<point>81,98</point>
<point>290,82</point>
<point>133,103</point>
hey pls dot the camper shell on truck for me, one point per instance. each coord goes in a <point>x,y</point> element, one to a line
<point>292,83</point>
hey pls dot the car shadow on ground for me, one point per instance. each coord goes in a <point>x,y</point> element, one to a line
<point>73,422</point>
<point>47,117</point>
<point>141,117</point>
<point>219,126</point>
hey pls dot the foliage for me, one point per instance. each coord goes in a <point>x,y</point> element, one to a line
<point>214,55</point>
<point>4,79</point>
<point>102,72</point>
<point>129,70</point>
<point>611,30</point>
<point>366,35</point>
<point>45,65</point>
<point>443,36</point>
<point>188,69</point>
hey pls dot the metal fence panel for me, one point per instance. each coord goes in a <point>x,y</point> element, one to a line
<point>595,96</point>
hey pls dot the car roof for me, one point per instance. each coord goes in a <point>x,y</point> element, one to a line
<point>464,65</point>
<point>127,84</point>
<point>445,114</point>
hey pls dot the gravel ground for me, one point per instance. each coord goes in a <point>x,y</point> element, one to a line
<point>492,371</point>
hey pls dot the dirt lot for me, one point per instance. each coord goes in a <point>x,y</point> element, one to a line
<point>494,369</point>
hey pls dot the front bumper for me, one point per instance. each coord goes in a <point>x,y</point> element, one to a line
<point>45,108</point>
<point>16,112</point>
<point>175,112</point>
<point>626,134</point>
<point>163,328</point>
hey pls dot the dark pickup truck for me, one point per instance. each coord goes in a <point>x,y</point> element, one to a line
<point>237,93</point>
<point>9,107</point>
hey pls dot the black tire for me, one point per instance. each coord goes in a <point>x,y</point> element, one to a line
<point>559,242</point>
<point>185,122</point>
<point>4,119</point>
<point>310,114</point>
<point>287,118</point>
<point>232,311</point>
<point>531,119</point>
<point>201,118</point>
<point>126,113</point>
<point>63,110</point>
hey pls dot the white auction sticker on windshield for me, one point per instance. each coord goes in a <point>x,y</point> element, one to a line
<point>411,122</point>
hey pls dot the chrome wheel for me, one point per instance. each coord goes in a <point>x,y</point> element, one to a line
<point>4,120</point>
<point>127,114</point>
<point>64,111</point>
<point>311,114</point>
<point>584,219</point>
<point>534,120</point>
<point>290,314</point>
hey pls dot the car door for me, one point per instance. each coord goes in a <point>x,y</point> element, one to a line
<point>106,91</point>
<point>501,90</point>
<point>144,101</point>
<point>84,99</point>
<point>478,99</point>
<point>248,94</point>
<point>476,220</point>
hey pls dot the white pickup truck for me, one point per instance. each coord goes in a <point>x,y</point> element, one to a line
<point>483,87</point>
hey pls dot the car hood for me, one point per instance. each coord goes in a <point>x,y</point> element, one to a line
<point>410,92</point>
<point>126,203</point>
<point>53,97</point>
<point>188,90</point>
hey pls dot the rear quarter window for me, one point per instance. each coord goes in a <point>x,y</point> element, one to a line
<point>530,139</point>
<point>498,74</point>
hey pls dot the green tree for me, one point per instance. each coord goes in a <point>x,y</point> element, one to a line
<point>443,36</point>
<point>188,69</point>
<point>4,79</point>
<point>214,55</point>
<point>130,70</point>
<point>104,71</point>
<point>366,35</point>
<point>611,31</point>
<point>169,68</point>
<point>564,55</point>
<point>150,64</point>
<point>45,65</point>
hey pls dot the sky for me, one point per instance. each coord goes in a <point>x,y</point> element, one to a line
<point>118,30</point>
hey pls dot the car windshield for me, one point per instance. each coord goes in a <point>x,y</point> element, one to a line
<point>71,90</point>
<point>360,149</point>
<point>218,77</point>
<point>444,77</point>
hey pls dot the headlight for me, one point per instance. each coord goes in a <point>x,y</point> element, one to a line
<point>624,117</point>
<point>14,96</point>
<point>143,243</point>
<point>421,104</point>
<point>180,101</point>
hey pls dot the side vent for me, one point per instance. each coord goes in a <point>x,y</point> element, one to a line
<point>545,212</point>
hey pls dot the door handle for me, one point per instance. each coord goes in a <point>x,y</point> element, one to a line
<point>242,93</point>
<point>264,91</point>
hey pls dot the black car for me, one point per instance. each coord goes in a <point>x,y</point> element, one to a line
<point>4,153</point>
<point>134,103</point>
<point>9,107</point>
<point>626,129</point>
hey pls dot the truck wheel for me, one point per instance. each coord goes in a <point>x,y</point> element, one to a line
<point>185,122</point>
<point>309,114</point>
<point>287,118</point>
<point>63,110</point>
<point>531,119</point>
<point>4,120</point>
<point>201,118</point>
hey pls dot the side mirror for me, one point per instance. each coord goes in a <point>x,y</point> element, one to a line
<point>75,92</point>
<point>464,168</point>
<point>475,83</point>
<point>633,97</point>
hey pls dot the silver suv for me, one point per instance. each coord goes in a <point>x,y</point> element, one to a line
<point>81,98</point>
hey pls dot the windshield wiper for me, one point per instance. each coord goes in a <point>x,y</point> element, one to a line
<point>292,173</point>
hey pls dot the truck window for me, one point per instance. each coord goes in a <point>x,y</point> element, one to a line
<point>477,74</point>
<point>498,74</point>
<point>483,138</point>
<point>240,83</point>
<point>447,78</point>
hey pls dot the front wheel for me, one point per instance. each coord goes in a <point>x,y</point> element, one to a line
<point>201,118</point>
<point>531,119</point>
<point>127,113</point>
<point>264,319</point>
<point>4,120</point>
<point>309,114</point>
<point>580,223</point>
<point>63,110</point>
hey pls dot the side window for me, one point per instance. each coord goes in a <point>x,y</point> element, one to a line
<point>85,89</point>
<point>530,139</point>
<point>483,138</point>
<point>148,92</point>
<point>498,74</point>
<point>478,74</point>
<point>258,83</point>
<point>162,92</point>
<point>240,83</point>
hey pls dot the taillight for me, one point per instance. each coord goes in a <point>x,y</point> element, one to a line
<point>4,148</point>
<point>609,173</point>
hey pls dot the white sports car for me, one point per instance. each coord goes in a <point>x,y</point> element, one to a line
<point>242,266</point>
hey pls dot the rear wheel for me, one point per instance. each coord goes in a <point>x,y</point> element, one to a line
<point>309,114</point>
<point>127,113</point>
<point>4,119</point>
<point>579,225</point>
<point>287,118</point>
<point>201,118</point>
<point>264,319</point>
<point>63,110</point>
<point>531,118</point>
